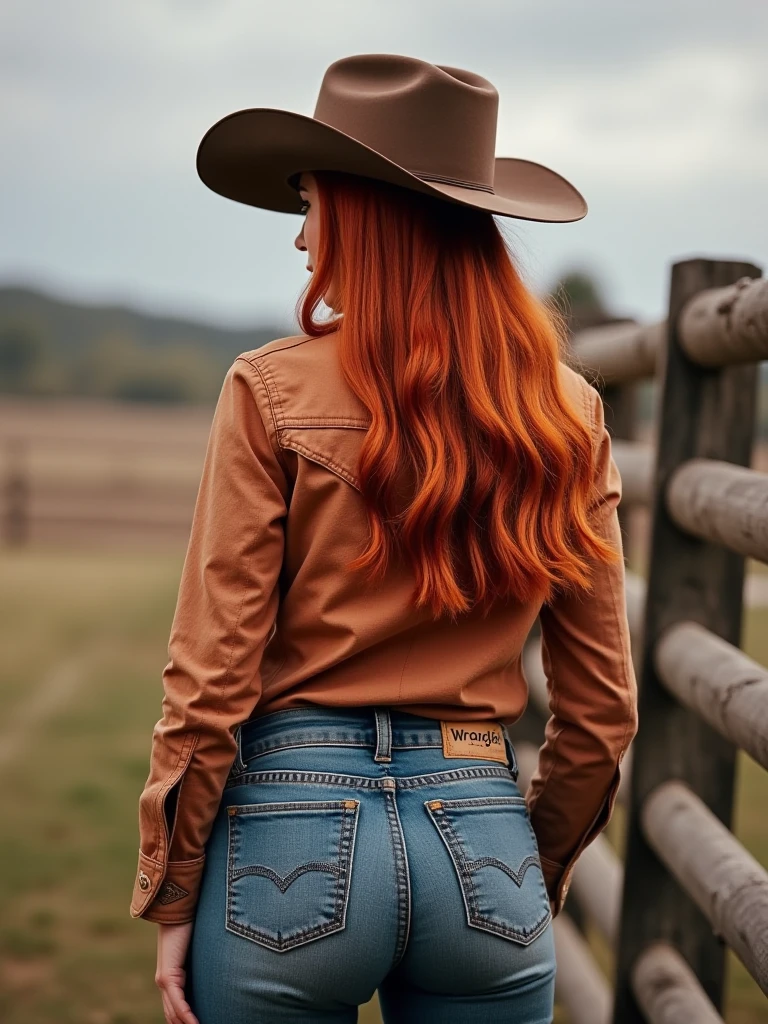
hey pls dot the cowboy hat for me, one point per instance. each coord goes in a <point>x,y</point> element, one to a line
<point>426,127</point>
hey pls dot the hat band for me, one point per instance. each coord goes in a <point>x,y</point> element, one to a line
<point>445,180</point>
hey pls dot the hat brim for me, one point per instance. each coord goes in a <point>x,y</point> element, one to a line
<point>249,155</point>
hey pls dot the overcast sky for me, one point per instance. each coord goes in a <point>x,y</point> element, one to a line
<point>656,111</point>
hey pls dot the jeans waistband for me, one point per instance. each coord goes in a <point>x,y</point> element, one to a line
<point>380,728</point>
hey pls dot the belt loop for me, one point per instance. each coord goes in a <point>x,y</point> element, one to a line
<point>383,735</point>
<point>510,752</point>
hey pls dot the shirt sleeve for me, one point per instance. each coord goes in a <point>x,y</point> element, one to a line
<point>226,609</point>
<point>587,659</point>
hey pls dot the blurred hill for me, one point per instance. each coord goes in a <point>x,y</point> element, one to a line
<point>53,347</point>
<point>49,346</point>
<point>580,298</point>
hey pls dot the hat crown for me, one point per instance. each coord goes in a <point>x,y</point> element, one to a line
<point>436,121</point>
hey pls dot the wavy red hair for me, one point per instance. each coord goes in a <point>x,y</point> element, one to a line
<point>475,470</point>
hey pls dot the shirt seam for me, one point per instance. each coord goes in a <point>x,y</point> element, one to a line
<point>265,355</point>
<point>268,391</point>
<point>324,460</point>
<point>326,422</point>
<point>267,373</point>
<point>190,741</point>
<point>274,445</point>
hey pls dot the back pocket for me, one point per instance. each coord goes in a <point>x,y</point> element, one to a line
<point>289,869</point>
<point>493,848</point>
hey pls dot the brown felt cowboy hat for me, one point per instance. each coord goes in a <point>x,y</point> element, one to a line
<point>427,127</point>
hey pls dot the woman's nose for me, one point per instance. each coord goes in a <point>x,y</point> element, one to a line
<point>299,241</point>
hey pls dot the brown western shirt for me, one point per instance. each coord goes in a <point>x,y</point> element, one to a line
<point>267,618</point>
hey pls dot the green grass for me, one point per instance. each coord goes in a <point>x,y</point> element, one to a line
<point>69,951</point>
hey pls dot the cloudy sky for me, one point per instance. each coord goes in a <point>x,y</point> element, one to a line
<point>657,111</point>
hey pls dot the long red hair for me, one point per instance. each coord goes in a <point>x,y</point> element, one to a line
<point>456,361</point>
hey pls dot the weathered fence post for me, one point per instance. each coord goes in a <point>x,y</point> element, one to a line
<point>707,413</point>
<point>16,490</point>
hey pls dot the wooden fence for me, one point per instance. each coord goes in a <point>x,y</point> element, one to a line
<point>687,888</point>
<point>83,473</point>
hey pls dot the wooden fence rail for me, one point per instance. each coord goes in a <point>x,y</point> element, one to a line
<point>718,682</point>
<point>620,353</point>
<point>579,983</point>
<point>726,882</point>
<point>721,503</point>
<point>667,989</point>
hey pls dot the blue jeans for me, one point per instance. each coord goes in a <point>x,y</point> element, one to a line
<point>349,855</point>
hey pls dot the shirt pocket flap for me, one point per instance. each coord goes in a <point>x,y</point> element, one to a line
<point>335,447</point>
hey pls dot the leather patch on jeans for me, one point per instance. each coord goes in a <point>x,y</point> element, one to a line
<point>474,739</point>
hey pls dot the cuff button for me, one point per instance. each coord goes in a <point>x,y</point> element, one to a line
<point>144,882</point>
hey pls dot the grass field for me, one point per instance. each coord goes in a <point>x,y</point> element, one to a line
<point>84,640</point>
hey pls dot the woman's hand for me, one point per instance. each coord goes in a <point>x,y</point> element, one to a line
<point>172,943</point>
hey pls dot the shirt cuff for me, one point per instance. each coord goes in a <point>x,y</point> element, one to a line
<point>167,894</point>
<point>557,879</point>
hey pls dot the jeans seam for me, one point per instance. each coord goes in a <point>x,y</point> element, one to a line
<point>323,743</point>
<point>302,743</point>
<point>366,782</point>
<point>403,878</point>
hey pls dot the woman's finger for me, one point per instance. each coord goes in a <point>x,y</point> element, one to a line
<point>179,1006</point>
<point>175,1007</point>
<point>168,1013</point>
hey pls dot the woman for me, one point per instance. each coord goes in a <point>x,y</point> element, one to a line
<point>388,502</point>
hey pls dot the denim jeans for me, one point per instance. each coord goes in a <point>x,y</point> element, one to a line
<point>349,854</point>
